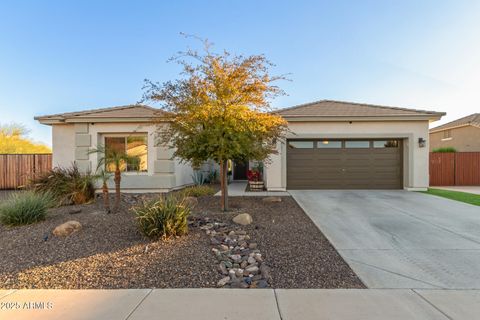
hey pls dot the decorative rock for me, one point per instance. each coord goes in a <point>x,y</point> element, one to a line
<point>222,269</point>
<point>272,199</point>
<point>243,219</point>
<point>236,258</point>
<point>67,228</point>
<point>190,202</point>
<point>251,260</point>
<point>239,272</point>
<point>262,284</point>
<point>223,281</point>
<point>214,241</point>
<point>252,245</point>
<point>244,264</point>
<point>74,211</point>
<point>251,269</point>
<point>258,257</point>
<point>241,232</point>
<point>223,248</point>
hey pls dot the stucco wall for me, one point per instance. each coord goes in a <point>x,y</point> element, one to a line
<point>464,139</point>
<point>72,142</point>
<point>63,142</point>
<point>415,164</point>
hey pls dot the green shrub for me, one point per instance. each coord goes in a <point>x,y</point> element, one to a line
<point>164,217</point>
<point>198,191</point>
<point>25,208</point>
<point>445,149</point>
<point>66,185</point>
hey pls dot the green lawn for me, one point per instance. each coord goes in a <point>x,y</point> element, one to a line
<point>456,195</point>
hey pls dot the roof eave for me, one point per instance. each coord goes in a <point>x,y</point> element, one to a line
<point>433,130</point>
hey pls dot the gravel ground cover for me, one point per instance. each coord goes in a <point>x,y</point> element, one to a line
<point>109,252</point>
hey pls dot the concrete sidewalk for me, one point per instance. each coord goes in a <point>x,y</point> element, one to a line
<point>276,304</point>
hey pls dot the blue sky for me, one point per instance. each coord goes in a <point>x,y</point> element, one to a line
<point>58,56</point>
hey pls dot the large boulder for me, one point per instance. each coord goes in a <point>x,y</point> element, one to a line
<point>67,228</point>
<point>243,219</point>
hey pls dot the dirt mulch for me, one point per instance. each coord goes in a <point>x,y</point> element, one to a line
<point>109,252</point>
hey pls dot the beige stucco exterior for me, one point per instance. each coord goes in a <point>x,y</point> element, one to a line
<point>71,143</point>
<point>415,158</point>
<point>463,139</point>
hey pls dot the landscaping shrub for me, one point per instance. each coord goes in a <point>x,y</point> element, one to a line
<point>66,185</point>
<point>25,208</point>
<point>198,191</point>
<point>446,149</point>
<point>164,217</point>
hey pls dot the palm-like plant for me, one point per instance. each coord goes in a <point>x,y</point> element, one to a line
<point>104,176</point>
<point>114,159</point>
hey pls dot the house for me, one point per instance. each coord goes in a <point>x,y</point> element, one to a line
<point>462,134</point>
<point>330,145</point>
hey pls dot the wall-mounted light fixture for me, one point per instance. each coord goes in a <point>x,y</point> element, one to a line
<point>422,142</point>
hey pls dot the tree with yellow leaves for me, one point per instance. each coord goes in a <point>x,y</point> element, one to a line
<point>14,140</point>
<point>219,109</point>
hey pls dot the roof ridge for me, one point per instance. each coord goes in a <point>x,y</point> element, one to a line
<point>358,104</point>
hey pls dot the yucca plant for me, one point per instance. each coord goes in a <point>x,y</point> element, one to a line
<point>162,218</point>
<point>65,185</point>
<point>25,208</point>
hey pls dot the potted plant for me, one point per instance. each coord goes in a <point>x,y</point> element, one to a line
<point>255,179</point>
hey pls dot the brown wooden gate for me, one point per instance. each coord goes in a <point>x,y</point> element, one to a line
<point>16,169</point>
<point>454,169</point>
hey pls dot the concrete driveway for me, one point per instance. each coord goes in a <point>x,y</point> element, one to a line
<point>400,239</point>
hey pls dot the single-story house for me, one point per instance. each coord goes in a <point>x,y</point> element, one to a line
<point>462,134</point>
<point>330,145</point>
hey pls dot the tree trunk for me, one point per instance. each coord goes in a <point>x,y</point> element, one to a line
<point>106,198</point>
<point>116,179</point>
<point>224,184</point>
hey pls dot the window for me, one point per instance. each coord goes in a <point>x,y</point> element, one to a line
<point>328,144</point>
<point>357,144</point>
<point>385,144</point>
<point>447,134</point>
<point>300,144</point>
<point>135,147</point>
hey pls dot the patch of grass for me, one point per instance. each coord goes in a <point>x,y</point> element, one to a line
<point>469,198</point>
<point>198,191</point>
<point>445,149</point>
<point>25,208</point>
<point>66,185</point>
<point>162,218</point>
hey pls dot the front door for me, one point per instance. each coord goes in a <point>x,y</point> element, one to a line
<point>240,170</point>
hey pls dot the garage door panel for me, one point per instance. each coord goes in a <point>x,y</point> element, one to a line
<point>345,168</point>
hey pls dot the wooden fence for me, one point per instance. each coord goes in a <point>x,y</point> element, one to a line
<point>455,169</point>
<point>16,169</point>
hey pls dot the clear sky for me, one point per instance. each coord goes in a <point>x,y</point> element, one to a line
<point>59,56</point>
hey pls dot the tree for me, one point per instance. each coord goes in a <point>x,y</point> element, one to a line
<point>219,109</point>
<point>14,140</point>
<point>113,160</point>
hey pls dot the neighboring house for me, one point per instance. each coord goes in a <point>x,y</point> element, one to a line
<point>462,134</point>
<point>330,145</point>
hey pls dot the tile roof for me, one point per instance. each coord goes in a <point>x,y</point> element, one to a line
<point>331,108</point>
<point>121,112</point>
<point>472,120</point>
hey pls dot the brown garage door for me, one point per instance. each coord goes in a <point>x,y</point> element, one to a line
<point>344,164</point>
